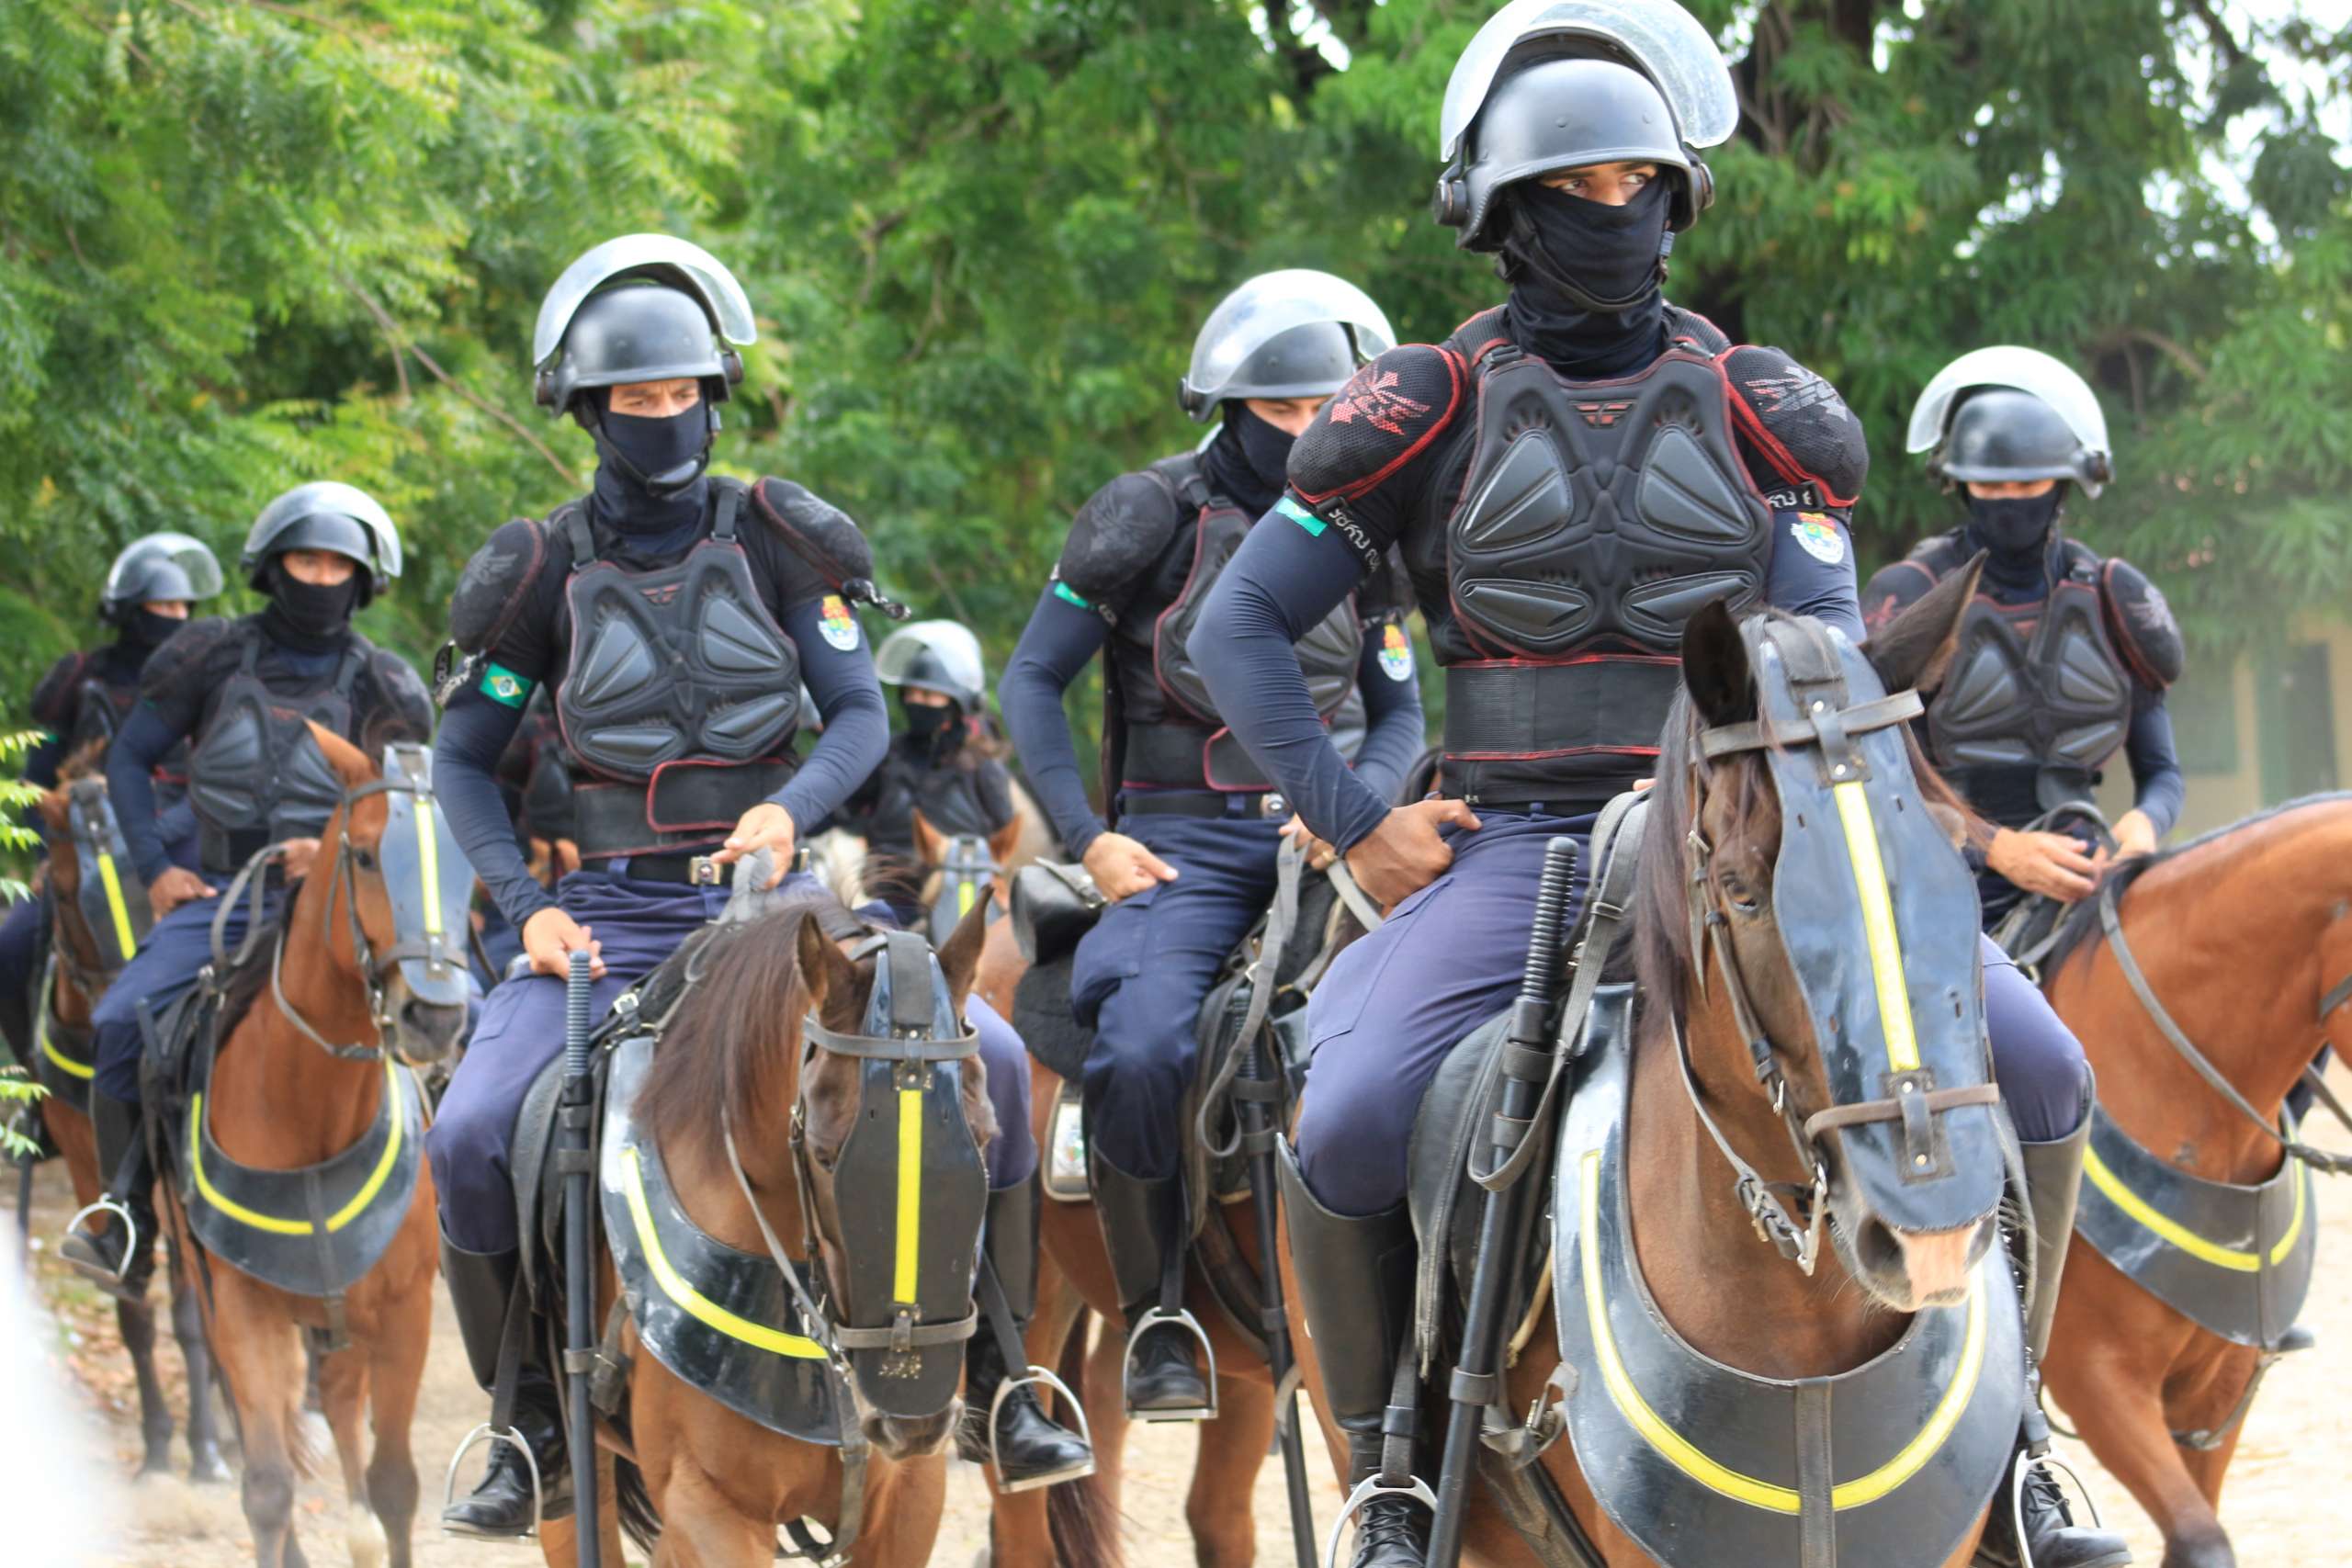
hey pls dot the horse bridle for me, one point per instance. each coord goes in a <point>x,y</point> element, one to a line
<point>1912,1102</point>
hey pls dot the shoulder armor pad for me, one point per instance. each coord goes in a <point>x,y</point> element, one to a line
<point>1689,330</point>
<point>818,532</point>
<point>176,669</point>
<point>400,709</point>
<point>1797,424</point>
<point>1384,417</point>
<point>495,582</point>
<point>54,698</point>
<point>1894,588</point>
<point>1119,533</point>
<point>2142,624</point>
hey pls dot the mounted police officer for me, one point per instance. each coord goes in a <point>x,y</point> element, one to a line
<point>1569,477</point>
<point>2065,654</point>
<point>239,696</point>
<point>939,764</point>
<point>1191,863</point>
<point>673,616</point>
<point>154,586</point>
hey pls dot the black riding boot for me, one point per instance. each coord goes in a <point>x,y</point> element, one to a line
<point>1030,1448</point>
<point>1355,1285</point>
<point>2054,1174</point>
<point>481,1285</point>
<point>1144,1231</point>
<point>118,1264</point>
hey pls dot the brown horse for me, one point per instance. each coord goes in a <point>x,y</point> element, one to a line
<point>1715,835</point>
<point>2241,935</point>
<point>62,1014</point>
<point>276,1101</point>
<point>1030,1529</point>
<point>701,1484</point>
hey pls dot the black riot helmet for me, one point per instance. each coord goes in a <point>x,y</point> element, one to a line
<point>935,655</point>
<point>2001,435</point>
<point>158,566</point>
<point>325,516</point>
<point>1553,85</point>
<point>1294,334</point>
<point>641,307</point>
<point>2010,414</point>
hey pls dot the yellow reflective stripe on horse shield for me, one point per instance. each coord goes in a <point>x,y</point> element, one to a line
<point>255,1220</point>
<point>902,1279</point>
<point>696,1306</point>
<point>2171,1230</point>
<point>1878,925</point>
<point>428,863</point>
<point>1686,1457</point>
<point>126,941</point>
<point>963,891</point>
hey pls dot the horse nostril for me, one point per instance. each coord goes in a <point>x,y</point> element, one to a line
<point>1876,1248</point>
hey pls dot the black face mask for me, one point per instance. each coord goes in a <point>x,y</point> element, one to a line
<point>306,617</point>
<point>144,628</point>
<point>931,728</point>
<point>1248,459</point>
<point>1585,278</point>
<point>658,457</point>
<point>2014,527</point>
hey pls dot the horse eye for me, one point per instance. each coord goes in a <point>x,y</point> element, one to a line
<point>1735,888</point>
<point>364,859</point>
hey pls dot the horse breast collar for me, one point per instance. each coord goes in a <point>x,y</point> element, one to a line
<point>2235,1260</point>
<point>723,1320</point>
<point>1890,1464</point>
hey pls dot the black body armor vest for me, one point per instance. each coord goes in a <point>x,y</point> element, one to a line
<point>1174,736</point>
<point>256,775</point>
<point>100,709</point>
<point>2038,686</point>
<point>1596,518</point>
<point>680,696</point>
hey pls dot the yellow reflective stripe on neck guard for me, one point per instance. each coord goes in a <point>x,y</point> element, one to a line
<point>903,1276</point>
<point>125,939</point>
<point>254,1220</point>
<point>696,1306</point>
<point>2154,1219</point>
<point>428,863</point>
<point>59,1059</point>
<point>1686,1457</point>
<point>1878,925</point>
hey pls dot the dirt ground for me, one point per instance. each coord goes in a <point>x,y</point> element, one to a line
<point>2298,1444</point>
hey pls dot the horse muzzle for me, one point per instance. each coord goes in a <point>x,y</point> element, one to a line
<point>424,1031</point>
<point>1906,1270</point>
<point>910,1437</point>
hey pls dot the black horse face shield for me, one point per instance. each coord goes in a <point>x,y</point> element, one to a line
<point>427,879</point>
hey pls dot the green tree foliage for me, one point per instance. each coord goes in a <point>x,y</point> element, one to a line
<point>244,244</point>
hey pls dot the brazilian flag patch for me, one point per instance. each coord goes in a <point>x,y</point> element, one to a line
<point>501,684</point>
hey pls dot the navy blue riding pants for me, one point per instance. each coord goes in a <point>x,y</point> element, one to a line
<point>638,924</point>
<point>1142,973</point>
<point>168,961</point>
<point>1396,1002</point>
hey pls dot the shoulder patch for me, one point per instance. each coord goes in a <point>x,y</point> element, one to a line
<point>495,582</point>
<point>1396,651</point>
<point>54,695</point>
<point>1819,537</point>
<point>818,532</point>
<point>1797,424</point>
<point>2142,624</point>
<point>1117,536</point>
<point>835,624</point>
<point>1384,417</point>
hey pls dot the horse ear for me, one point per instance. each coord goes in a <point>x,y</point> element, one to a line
<point>831,978</point>
<point>1004,841</point>
<point>959,955</point>
<point>351,765</point>
<point>52,808</point>
<point>929,845</point>
<point>1715,670</point>
<point>1912,651</point>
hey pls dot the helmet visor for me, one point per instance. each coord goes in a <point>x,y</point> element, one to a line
<point>656,255</point>
<point>1658,37</point>
<point>931,654</point>
<point>180,563</point>
<point>1268,305</point>
<point>2025,369</point>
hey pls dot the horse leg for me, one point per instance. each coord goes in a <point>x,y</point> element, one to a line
<point>2122,1419</point>
<point>1232,1448</point>
<point>1106,1406</point>
<point>343,1393</point>
<point>256,1349</point>
<point>136,1321</point>
<point>204,1461</point>
<point>903,1515</point>
<point>701,1528</point>
<point>395,1375</point>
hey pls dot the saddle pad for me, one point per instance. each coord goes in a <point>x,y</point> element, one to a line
<point>1890,1464</point>
<point>721,1319</point>
<point>1043,1017</point>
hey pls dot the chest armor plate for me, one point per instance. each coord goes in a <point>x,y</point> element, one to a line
<point>2034,685</point>
<point>683,662</point>
<point>1327,654</point>
<point>256,775</point>
<point>1598,516</point>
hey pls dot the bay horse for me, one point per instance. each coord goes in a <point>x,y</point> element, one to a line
<point>694,1480</point>
<point>2242,937</point>
<point>76,978</point>
<point>1712,955</point>
<point>286,1093</point>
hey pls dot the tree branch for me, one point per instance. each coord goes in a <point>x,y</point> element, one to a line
<point>400,342</point>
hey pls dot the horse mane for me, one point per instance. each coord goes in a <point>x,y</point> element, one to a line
<point>2080,927</point>
<point>734,1037</point>
<point>85,760</point>
<point>244,983</point>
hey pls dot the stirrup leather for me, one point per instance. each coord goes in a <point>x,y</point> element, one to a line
<point>1168,1317</point>
<point>486,1432</point>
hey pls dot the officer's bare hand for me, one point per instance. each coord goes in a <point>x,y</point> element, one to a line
<point>2135,835</point>
<point>174,888</point>
<point>1404,854</point>
<point>300,856</point>
<point>2054,864</point>
<point>551,936</point>
<point>1121,867</point>
<point>1320,851</point>
<point>766,826</point>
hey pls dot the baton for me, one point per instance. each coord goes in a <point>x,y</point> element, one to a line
<point>578,1276</point>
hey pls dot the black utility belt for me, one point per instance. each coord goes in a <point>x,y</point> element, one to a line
<point>683,805</point>
<point>1184,756</point>
<point>1201,803</point>
<point>1511,712</point>
<point>223,853</point>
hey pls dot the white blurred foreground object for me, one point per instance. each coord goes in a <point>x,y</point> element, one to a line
<point>54,1487</point>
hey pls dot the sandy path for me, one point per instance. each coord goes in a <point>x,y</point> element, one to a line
<point>2298,1444</point>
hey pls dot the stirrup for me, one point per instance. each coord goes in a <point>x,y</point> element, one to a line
<point>107,1204</point>
<point>2024,1466</point>
<point>1035,1376</point>
<point>1180,1319</point>
<point>493,1434</point>
<point>1367,1490</point>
